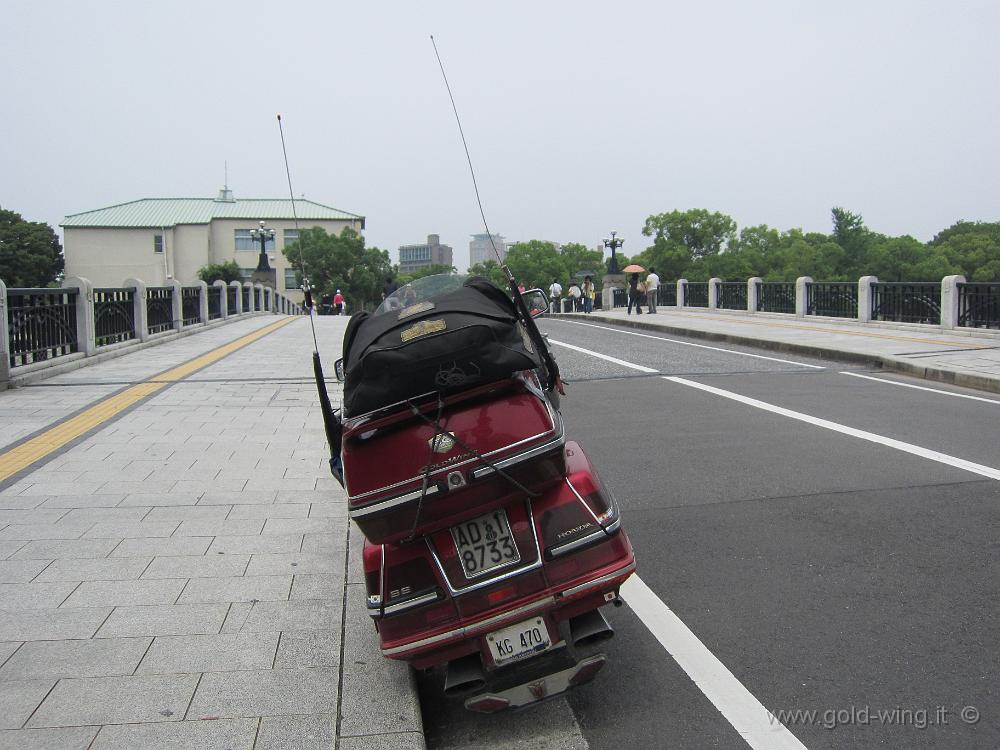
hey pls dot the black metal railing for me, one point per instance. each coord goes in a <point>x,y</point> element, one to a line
<point>907,302</point>
<point>619,298</point>
<point>666,294</point>
<point>214,302</point>
<point>979,305</point>
<point>114,316</point>
<point>731,295</point>
<point>159,308</point>
<point>776,297</point>
<point>836,299</point>
<point>191,305</point>
<point>258,299</point>
<point>41,324</point>
<point>246,299</point>
<point>232,299</point>
<point>696,294</point>
<point>598,300</point>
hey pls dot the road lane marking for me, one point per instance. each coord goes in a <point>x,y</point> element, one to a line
<point>756,725</point>
<point>697,346</point>
<point>871,437</point>
<point>800,327</point>
<point>921,388</point>
<point>622,362</point>
<point>29,452</point>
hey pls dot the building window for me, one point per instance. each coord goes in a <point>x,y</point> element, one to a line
<point>157,243</point>
<point>246,274</point>
<point>291,235</point>
<point>292,279</point>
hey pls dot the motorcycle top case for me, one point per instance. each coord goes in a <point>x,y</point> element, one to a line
<point>459,340</point>
<point>494,443</point>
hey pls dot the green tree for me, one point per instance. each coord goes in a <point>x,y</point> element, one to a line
<point>341,261</point>
<point>971,247</point>
<point>30,253</point>
<point>577,257</point>
<point>535,263</point>
<point>700,231</point>
<point>228,271</point>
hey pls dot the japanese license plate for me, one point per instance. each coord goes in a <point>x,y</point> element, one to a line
<point>485,543</point>
<point>518,641</point>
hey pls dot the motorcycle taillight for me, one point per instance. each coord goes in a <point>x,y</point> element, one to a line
<point>567,569</point>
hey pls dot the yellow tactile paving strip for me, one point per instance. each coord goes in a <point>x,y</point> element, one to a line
<point>35,449</point>
<point>839,331</point>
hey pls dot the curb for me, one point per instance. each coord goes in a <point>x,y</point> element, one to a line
<point>885,362</point>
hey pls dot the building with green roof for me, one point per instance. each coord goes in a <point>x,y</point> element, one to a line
<point>156,239</point>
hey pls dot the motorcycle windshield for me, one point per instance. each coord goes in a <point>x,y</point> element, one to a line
<point>421,290</point>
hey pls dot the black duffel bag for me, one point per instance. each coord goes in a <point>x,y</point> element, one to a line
<point>458,340</point>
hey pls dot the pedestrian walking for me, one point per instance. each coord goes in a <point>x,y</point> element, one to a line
<point>652,285</point>
<point>574,295</point>
<point>588,294</point>
<point>339,302</point>
<point>555,292</point>
<point>634,294</point>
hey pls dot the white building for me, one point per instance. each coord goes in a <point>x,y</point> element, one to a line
<point>432,252</point>
<point>481,248</point>
<point>155,239</point>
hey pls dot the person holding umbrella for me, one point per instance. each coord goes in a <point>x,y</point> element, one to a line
<point>635,288</point>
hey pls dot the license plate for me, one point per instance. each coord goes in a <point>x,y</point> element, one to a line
<point>518,641</point>
<point>485,543</point>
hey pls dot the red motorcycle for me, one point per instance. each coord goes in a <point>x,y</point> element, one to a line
<point>491,543</point>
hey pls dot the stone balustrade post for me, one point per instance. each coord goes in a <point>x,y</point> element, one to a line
<point>949,301</point>
<point>713,293</point>
<point>177,299</point>
<point>753,293</point>
<point>223,288</point>
<point>203,302</point>
<point>682,285</point>
<point>258,296</point>
<point>238,310</point>
<point>86,335</point>
<point>139,309</point>
<point>802,296</point>
<point>4,335</point>
<point>865,298</point>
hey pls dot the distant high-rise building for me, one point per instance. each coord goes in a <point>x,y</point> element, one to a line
<point>432,252</point>
<point>481,248</point>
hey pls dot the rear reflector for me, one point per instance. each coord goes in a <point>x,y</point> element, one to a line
<point>487,704</point>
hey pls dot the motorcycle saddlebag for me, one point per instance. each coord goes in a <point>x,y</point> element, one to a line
<point>462,339</point>
<point>510,424</point>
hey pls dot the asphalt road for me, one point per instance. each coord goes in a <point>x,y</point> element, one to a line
<point>832,540</point>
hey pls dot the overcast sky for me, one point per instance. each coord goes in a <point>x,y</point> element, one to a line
<point>582,117</point>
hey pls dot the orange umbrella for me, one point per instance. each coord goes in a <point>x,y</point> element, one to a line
<point>633,268</point>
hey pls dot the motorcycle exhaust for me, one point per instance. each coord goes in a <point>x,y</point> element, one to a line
<point>590,627</point>
<point>464,675</point>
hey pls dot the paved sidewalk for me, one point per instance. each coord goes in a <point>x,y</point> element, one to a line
<point>181,577</point>
<point>969,358</point>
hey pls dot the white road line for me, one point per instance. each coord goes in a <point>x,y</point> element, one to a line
<point>916,450</point>
<point>756,724</point>
<point>697,346</point>
<point>621,362</point>
<point>922,388</point>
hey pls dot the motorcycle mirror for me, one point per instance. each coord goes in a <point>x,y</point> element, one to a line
<point>338,369</point>
<point>536,302</point>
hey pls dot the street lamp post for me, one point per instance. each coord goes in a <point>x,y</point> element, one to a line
<point>263,234</point>
<point>614,243</point>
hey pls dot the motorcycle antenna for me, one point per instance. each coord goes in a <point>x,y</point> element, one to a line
<point>331,424</point>
<point>536,337</point>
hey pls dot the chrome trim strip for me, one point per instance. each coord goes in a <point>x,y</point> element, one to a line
<point>469,630</point>
<point>392,502</point>
<point>583,541</point>
<point>582,501</point>
<point>560,437</point>
<point>496,579</point>
<point>599,581</point>
<point>518,458</point>
<point>408,604</point>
